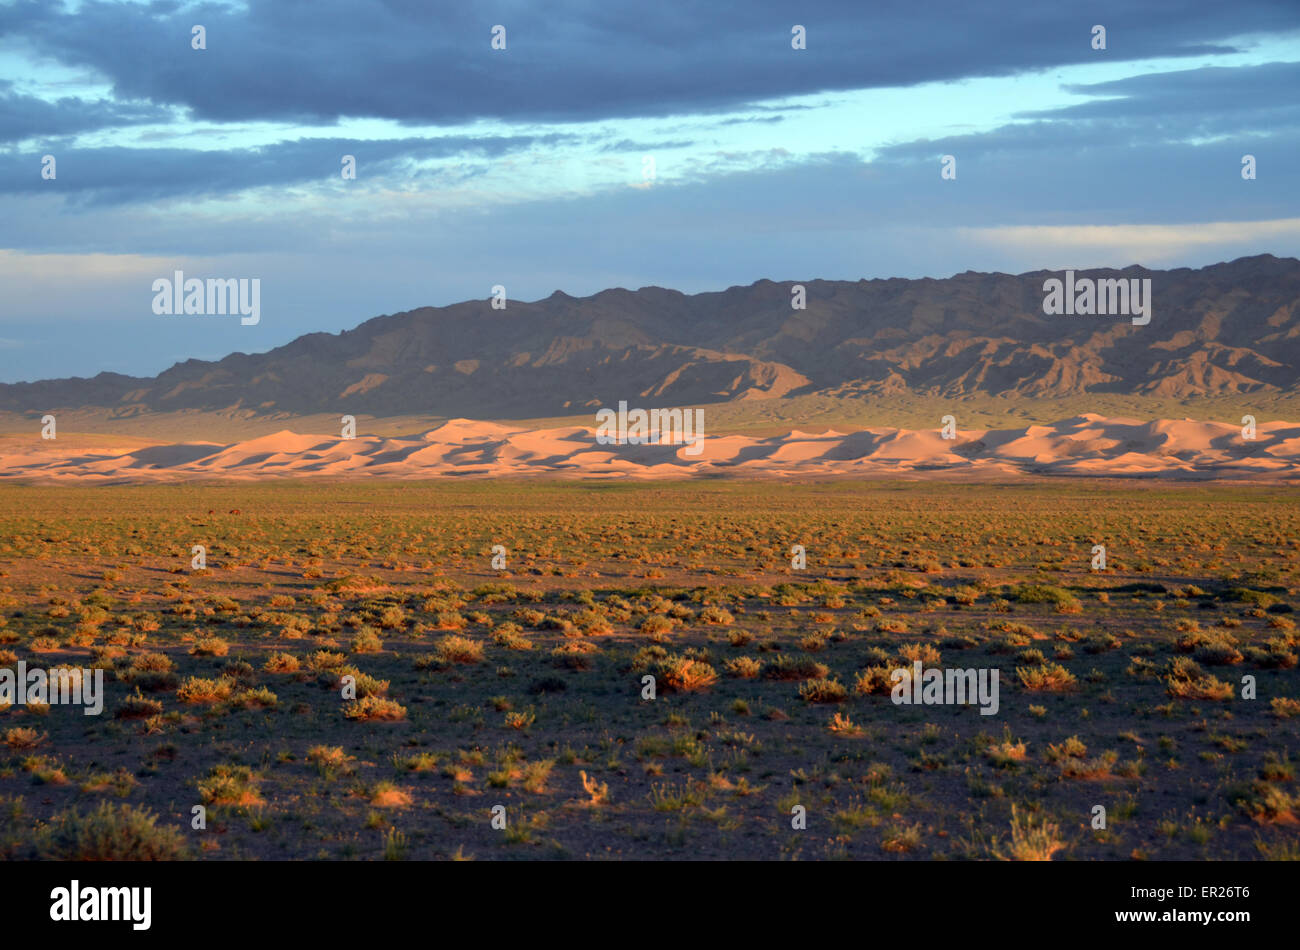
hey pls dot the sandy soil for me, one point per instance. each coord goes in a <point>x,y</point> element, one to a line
<point>1086,445</point>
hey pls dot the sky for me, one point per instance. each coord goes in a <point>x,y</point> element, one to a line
<point>578,145</point>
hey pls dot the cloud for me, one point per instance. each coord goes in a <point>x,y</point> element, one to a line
<point>1152,244</point>
<point>1211,100</point>
<point>1145,168</point>
<point>1186,107</point>
<point>23,117</point>
<point>114,175</point>
<point>582,59</point>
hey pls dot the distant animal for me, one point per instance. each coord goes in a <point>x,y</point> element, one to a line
<point>212,511</point>
<point>235,511</point>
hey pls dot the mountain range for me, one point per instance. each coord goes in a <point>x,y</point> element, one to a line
<point>1230,328</point>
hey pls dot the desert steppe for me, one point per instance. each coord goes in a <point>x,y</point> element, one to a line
<point>1161,687</point>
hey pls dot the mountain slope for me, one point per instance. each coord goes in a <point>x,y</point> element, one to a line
<point>1226,329</point>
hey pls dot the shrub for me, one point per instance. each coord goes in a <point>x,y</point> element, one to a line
<point>592,624</point>
<point>388,795</point>
<point>1218,653</point>
<point>1265,803</point>
<point>574,654</point>
<point>454,649</point>
<point>449,620</point>
<point>152,663</point>
<point>842,725</point>
<point>374,708</point>
<point>743,667</point>
<point>520,720</point>
<point>281,663</point>
<point>1051,677</point>
<point>715,616</point>
<point>656,626</point>
<point>329,759</point>
<point>324,660</point>
<point>367,641</point>
<point>392,618</point>
<point>796,668</point>
<point>683,675</point>
<point>1186,680</point>
<point>1102,642</point>
<point>109,833</point>
<point>368,685</point>
<point>199,690</point>
<point>20,737</point>
<point>138,707</point>
<point>823,691</point>
<point>1062,600</point>
<point>230,785</point>
<point>1203,688</point>
<point>911,652</point>
<point>509,635</point>
<point>873,680</point>
<point>260,698</point>
<point>1284,707</point>
<point>1030,840</point>
<point>210,646</point>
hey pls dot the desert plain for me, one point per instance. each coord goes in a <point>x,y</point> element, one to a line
<point>499,707</point>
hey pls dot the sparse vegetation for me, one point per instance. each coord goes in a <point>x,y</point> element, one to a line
<point>227,687</point>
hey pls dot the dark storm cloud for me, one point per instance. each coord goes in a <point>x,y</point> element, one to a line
<point>23,117</point>
<point>417,62</point>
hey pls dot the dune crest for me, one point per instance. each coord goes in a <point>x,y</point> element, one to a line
<point>1084,446</point>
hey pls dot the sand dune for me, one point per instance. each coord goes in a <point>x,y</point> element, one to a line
<point>1087,445</point>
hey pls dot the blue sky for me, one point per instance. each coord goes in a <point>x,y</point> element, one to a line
<point>526,167</point>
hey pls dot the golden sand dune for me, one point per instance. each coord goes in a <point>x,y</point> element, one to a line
<point>1087,445</point>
